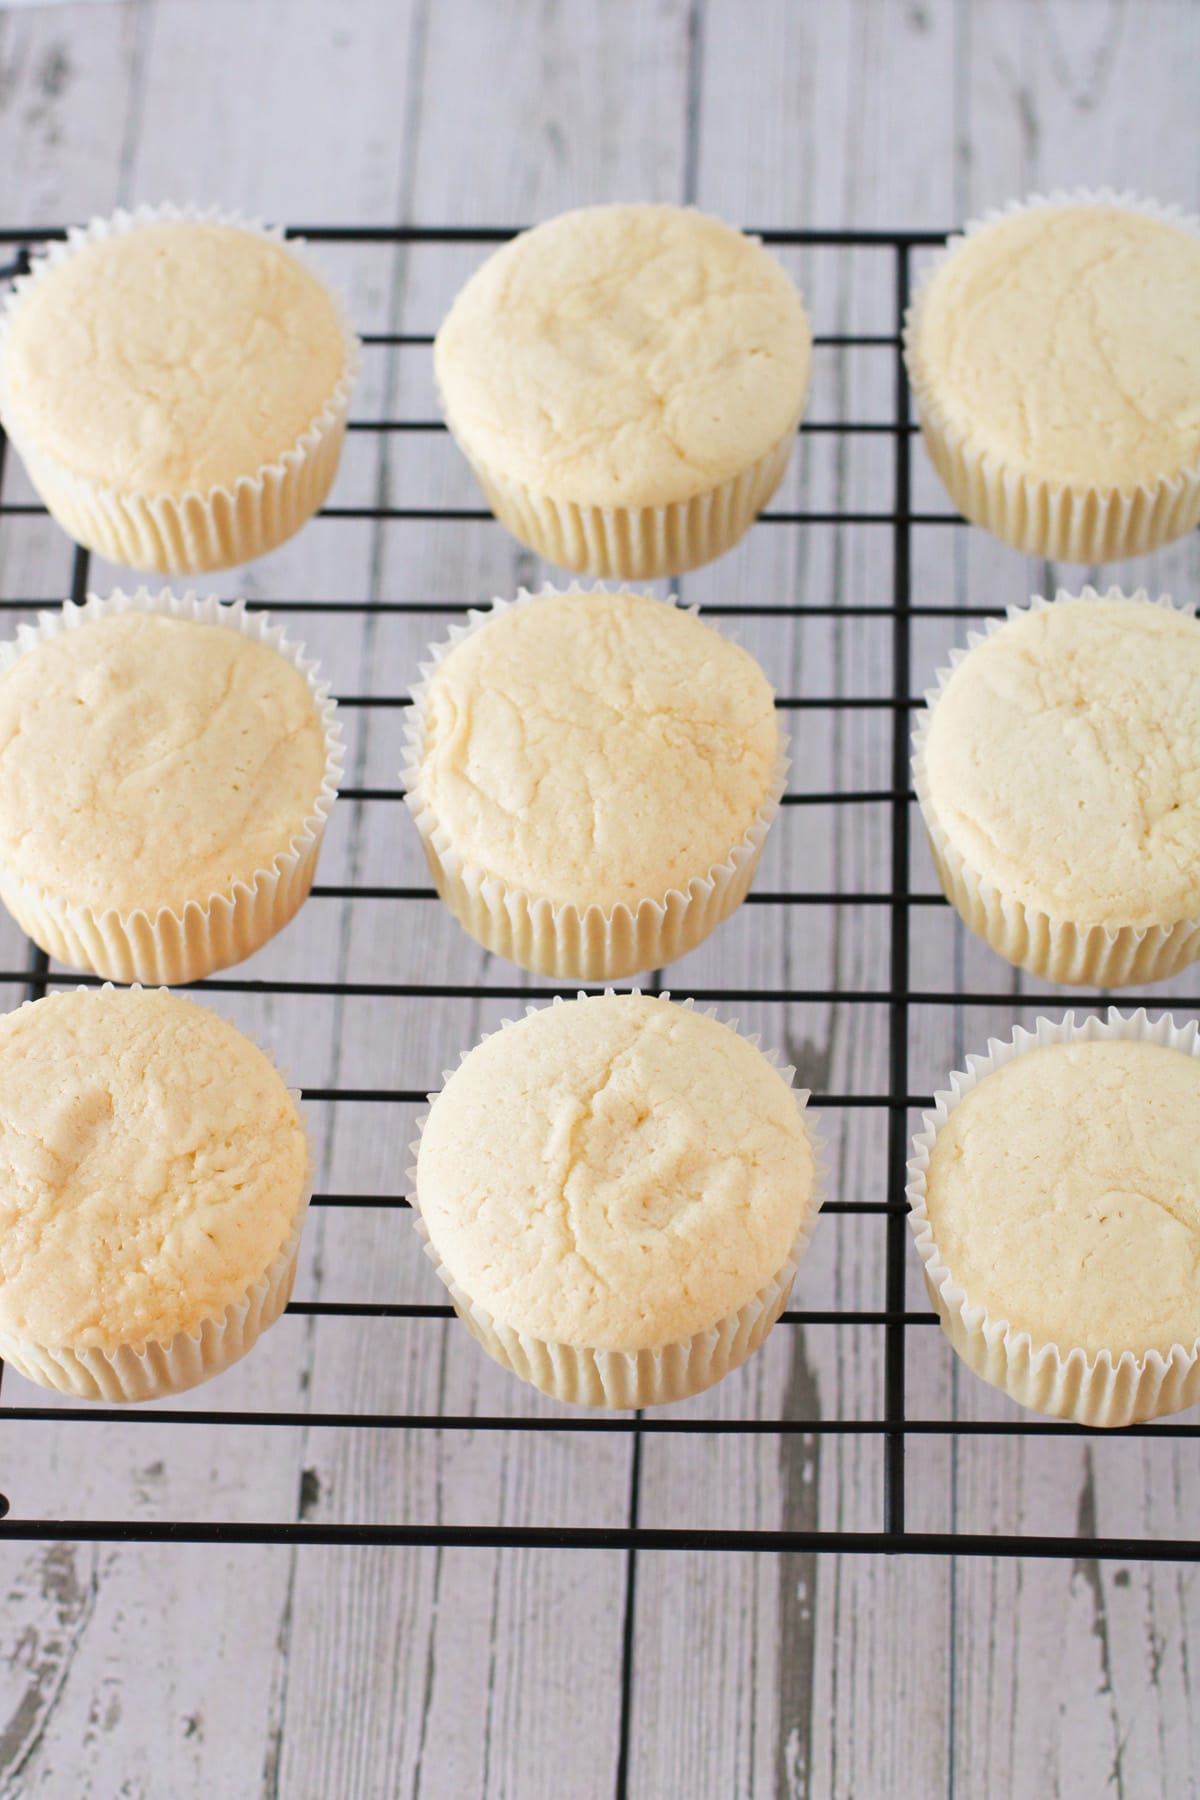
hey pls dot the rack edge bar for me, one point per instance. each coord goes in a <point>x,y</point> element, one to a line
<point>622,1538</point>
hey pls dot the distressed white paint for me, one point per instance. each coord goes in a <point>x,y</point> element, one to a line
<point>145,1672</point>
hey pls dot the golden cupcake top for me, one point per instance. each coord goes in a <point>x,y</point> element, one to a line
<point>628,355</point>
<point>1065,341</point>
<point>614,1173</point>
<point>595,748</point>
<point>146,761</point>
<point>152,1166</point>
<point>173,357</point>
<point>1063,1195</point>
<point>1062,761</point>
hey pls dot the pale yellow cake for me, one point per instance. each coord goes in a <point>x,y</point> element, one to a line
<point>1055,359</point>
<point>150,374</point>
<point>146,761</point>
<point>152,763</point>
<point>619,362</point>
<point>1067,340</point>
<point>152,1170</point>
<point>615,1174</point>
<point>595,751</point>
<point>176,357</point>
<point>1063,1195</point>
<point>1060,768</point>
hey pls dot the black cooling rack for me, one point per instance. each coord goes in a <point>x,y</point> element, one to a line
<point>894,1428</point>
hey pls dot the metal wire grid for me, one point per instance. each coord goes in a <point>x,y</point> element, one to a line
<point>894,1428</point>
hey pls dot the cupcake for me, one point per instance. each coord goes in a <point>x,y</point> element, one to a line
<point>1054,355</point>
<point>177,384</point>
<point>167,765</point>
<point>626,383</point>
<point>616,1192</point>
<point>1057,765</point>
<point>1055,1199</point>
<point>593,776</point>
<point>154,1177</point>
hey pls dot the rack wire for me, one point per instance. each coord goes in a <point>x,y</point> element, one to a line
<point>894,1429</point>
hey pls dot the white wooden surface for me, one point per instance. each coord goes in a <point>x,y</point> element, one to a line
<point>148,1672</point>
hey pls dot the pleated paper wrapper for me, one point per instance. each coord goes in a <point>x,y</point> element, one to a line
<point>1082,523</point>
<point>639,543</point>
<point>210,931</point>
<point>1072,952</point>
<point>648,1377</point>
<point>213,528</point>
<point>558,938</point>
<point>1104,1388</point>
<point>153,1369</point>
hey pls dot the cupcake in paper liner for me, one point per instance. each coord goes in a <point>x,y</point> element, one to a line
<point>626,383</point>
<point>177,383</point>
<point>593,776</point>
<point>1055,1201</point>
<point>169,766</point>
<point>616,1191</point>
<point>1054,358</point>
<point>154,1179</point>
<point>1056,768</point>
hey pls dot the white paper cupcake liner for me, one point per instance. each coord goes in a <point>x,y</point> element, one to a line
<point>195,531</point>
<point>1060,950</point>
<point>635,543</point>
<point>1071,523</point>
<point>635,1378</point>
<point>559,938</point>
<point>1063,1380</point>
<point>170,946</point>
<point>152,1370</point>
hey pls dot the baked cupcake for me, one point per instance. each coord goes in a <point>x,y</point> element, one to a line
<point>1055,1199</point>
<point>1057,764</point>
<point>154,1177</point>
<point>626,383</point>
<point>1054,355</point>
<point>593,776</point>
<point>616,1192</point>
<point>177,384</point>
<point>167,767</point>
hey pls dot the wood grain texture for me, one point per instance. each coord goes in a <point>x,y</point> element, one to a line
<point>140,1672</point>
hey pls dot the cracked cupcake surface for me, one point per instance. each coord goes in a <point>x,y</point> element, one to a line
<point>177,357</point>
<point>147,761</point>
<point>1063,1195</point>
<point>581,755</point>
<point>177,387</point>
<point>166,767</point>
<point>597,747</point>
<point>1066,341</point>
<point>1054,355</point>
<point>1062,761</point>
<point>615,1173</point>
<point>1057,766</point>
<point>620,361</point>
<point>153,1171</point>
